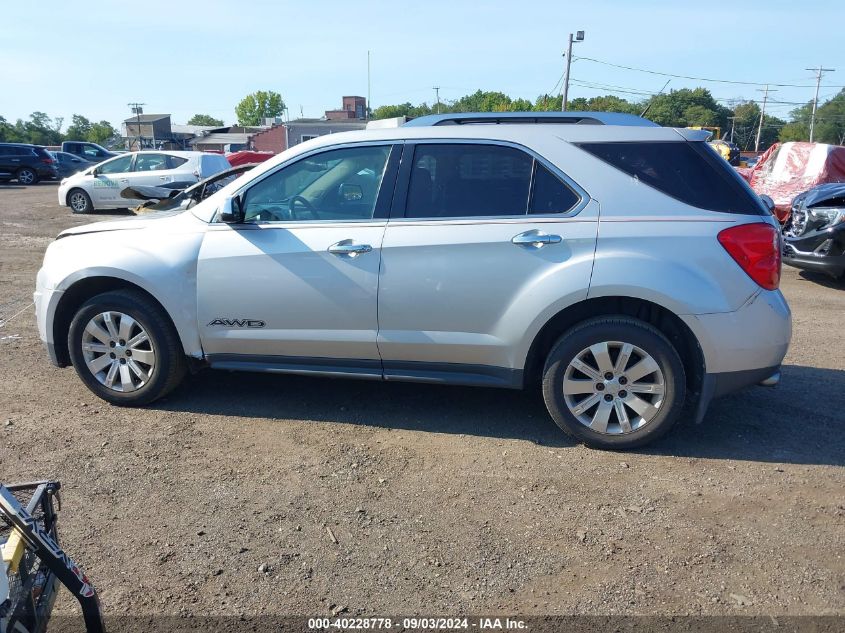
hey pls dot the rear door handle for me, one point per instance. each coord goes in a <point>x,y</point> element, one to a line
<point>346,248</point>
<point>535,239</point>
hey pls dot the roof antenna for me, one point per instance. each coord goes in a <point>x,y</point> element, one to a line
<point>652,98</point>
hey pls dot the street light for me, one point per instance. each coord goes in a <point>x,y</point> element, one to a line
<point>579,37</point>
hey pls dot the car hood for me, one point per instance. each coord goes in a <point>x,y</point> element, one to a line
<point>823,192</point>
<point>149,220</point>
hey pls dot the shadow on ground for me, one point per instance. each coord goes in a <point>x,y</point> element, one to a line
<point>801,421</point>
<point>823,280</point>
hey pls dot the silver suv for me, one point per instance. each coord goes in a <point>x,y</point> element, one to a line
<point>623,266</point>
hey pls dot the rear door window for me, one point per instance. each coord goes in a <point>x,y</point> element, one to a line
<point>549,194</point>
<point>150,162</point>
<point>450,180</point>
<point>175,161</point>
<point>687,171</point>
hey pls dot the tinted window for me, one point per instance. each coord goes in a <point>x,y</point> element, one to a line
<point>455,180</point>
<point>5,151</point>
<point>341,184</point>
<point>174,161</point>
<point>116,166</point>
<point>689,172</point>
<point>549,193</point>
<point>150,162</point>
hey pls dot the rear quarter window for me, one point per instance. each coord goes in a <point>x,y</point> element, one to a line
<point>687,171</point>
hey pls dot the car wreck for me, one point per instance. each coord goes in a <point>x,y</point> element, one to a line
<point>181,195</point>
<point>814,235</point>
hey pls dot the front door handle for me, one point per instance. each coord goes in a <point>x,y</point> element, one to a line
<point>347,248</point>
<point>535,239</point>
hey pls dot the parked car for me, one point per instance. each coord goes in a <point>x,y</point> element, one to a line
<point>26,163</point>
<point>69,164</point>
<point>86,150</point>
<point>814,235</point>
<point>169,196</point>
<point>99,187</point>
<point>623,267</point>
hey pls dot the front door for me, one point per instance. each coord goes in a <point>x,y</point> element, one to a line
<point>111,178</point>
<point>295,285</point>
<point>488,237</point>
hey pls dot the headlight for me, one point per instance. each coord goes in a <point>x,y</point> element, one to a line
<point>826,217</point>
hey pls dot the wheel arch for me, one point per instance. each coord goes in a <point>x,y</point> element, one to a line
<point>666,321</point>
<point>77,294</point>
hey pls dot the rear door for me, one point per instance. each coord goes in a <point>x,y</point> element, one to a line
<point>475,227</point>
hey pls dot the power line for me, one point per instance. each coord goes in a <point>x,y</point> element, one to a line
<point>722,81</point>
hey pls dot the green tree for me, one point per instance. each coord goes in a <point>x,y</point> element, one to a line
<point>830,122</point>
<point>746,121</point>
<point>259,105</point>
<point>205,119</point>
<point>606,103</point>
<point>686,107</point>
<point>101,132</point>
<point>78,129</point>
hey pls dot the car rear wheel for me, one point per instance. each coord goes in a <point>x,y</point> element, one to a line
<point>614,383</point>
<point>125,349</point>
<point>79,201</point>
<point>27,176</point>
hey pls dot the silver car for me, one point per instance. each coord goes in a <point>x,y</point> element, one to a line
<point>622,266</point>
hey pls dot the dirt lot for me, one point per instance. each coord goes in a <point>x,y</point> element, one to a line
<point>253,494</point>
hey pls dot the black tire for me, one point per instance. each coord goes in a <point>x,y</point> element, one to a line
<point>79,194</point>
<point>27,176</point>
<point>626,330</point>
<point>170,364</point>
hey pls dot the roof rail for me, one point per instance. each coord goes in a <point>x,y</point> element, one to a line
<point>582,118</point>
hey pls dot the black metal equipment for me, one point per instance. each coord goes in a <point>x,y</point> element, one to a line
<point>33,564</point>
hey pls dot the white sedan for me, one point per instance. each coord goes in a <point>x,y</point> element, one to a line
<point>100,186</point>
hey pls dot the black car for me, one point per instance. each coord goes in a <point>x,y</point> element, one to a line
<point>814,235</point>
<point>68,164</point>
<point>26,163</point>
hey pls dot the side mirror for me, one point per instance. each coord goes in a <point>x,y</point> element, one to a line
<point>95,172</point>
<point>232,211</point>
<point>770,204</point>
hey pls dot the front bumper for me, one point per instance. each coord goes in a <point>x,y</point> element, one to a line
<point>46,299</point>
<point>821,251</point>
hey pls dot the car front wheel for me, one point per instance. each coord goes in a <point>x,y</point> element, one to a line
<point>79,201</point>
<point>614,383</point>
<point>125,349</point>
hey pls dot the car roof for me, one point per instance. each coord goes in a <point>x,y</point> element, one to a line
<point>175,152</point>
<point>519,133</point>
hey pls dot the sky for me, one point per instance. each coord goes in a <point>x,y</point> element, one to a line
<point>184,58</point>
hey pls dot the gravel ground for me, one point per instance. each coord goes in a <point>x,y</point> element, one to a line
<point>257,494</point>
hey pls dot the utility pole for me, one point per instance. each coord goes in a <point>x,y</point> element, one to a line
<point>137,109</point>
<point>733,126</point>
<point>367,114</point>
<point>578,37</point>
<point>819,72</point>
<point>762,116</point>
<point>437,96</point>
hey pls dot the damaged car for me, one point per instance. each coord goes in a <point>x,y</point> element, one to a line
<point>181,196</point>
<point>814,235</point>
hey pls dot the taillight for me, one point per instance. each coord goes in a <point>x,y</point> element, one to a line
<point>756,248</point>
<point>47,161</point>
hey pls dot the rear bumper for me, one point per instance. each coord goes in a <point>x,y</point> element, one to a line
<point>715,385</point>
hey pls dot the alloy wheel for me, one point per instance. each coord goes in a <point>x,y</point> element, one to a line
<point>118,352</point>
<point>78,202</point>
<point>26,177</point>
<point>613,387</point>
